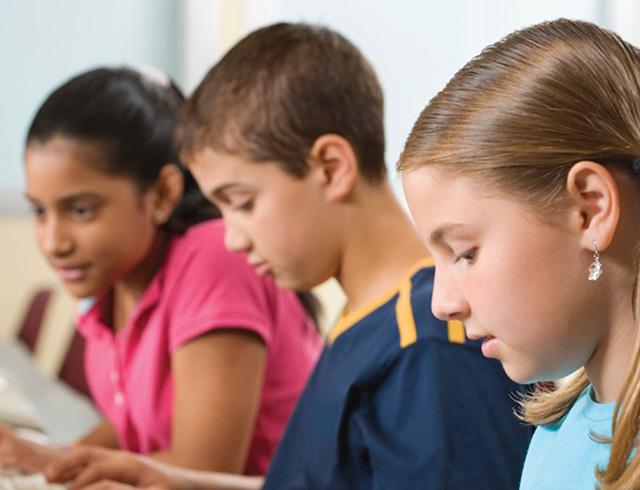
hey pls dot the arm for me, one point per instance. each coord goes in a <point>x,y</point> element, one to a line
<point>102,435</point>
<point>217,389</point>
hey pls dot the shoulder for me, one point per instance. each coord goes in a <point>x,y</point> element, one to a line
<point>415,320</point>
<point>206,237</point>
<point>199,272</point>
<point>200,254</point>
<point>399,319</point>
<point>566,450</point>
<point>437,346</point>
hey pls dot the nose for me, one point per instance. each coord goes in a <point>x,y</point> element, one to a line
<point>235,240</point>
<point>447,301</point>
<point>55,241</point>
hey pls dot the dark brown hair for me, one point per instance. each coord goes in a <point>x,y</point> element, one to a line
<point>128,118</point>
<point>279,89</point>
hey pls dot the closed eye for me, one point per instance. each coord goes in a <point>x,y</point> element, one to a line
<point>469,256</point>
<point>245,206</point>
<point>83,213</point>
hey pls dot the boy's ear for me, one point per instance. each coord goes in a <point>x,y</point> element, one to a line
<point>595,192</point>
<point>169,188</point>
<point>333,159</point>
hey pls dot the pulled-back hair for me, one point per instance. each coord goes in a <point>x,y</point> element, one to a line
<point>128,117</point>
<point>518,117</point>
<point>279,89</point>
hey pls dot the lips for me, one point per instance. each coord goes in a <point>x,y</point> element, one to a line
<point>72,273</point>
<point>475,336</point>
<point>489,346</point>
<point>262,268</point>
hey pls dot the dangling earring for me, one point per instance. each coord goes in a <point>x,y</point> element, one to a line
<point>595,269</point>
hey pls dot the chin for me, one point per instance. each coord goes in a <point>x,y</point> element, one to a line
<point>79,290</point>
<point>80,293</point>
<point>294,284</point>
<point>520,376</point>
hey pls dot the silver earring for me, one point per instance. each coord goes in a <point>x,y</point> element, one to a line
<point>595,269</point>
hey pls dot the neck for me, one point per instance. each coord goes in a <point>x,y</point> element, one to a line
<point>381,247</point>
<point>607,369</point>
<point>127,292</point>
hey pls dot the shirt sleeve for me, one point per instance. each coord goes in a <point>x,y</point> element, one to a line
<point>443,419</point>
<point>214,289</point>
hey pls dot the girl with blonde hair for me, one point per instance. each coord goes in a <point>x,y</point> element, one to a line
<point>522,177</point>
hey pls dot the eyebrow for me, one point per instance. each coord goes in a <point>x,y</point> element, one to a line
<point>219,192</point>
<point>441,232</point>
<point>70,198</point>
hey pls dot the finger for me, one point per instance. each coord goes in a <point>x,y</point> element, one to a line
<point>10,448</point>
<point>108,485</point>
<point>69,465</point>
<point>101,470</point>
<point>6,429</point>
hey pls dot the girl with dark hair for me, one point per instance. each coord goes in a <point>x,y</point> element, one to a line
<point>191,356</point>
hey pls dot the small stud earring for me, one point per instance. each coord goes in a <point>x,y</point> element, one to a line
<point>595,269</point>
<point>159,217</point>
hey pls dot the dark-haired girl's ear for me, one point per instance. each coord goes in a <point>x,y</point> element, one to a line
<point>169,188</point>
<point>597,203</point>
<point>332,158</point>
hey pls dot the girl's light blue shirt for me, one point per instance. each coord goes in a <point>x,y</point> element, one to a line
<point>565,455</point>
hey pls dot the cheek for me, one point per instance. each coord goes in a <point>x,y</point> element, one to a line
<point>127,242</point>
<point>39,234</point>
<point>504,287</point>
<point>281,228</point>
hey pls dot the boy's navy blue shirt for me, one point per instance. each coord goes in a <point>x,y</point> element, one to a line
<point>400,400</point>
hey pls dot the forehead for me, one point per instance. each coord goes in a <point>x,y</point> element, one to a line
<point>62,166</point>
<point>214,169</point>
<point>440,203</point>
<point>429,188</point>
<point>63,157</point>
<point>213,162</point>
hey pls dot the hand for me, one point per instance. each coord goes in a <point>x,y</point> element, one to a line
<point>112,485</point>
<point>88,465</point>
<point>26,455</point>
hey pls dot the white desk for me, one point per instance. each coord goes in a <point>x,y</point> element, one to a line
<point>66,414</point>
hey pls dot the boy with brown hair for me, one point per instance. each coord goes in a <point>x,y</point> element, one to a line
<point>285,135</point>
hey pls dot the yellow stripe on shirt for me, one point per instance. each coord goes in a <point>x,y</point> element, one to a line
<point>347,319</point>
<point>455,329</point>
<point>404,315</point>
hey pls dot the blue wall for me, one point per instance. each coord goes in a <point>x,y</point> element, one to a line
<point>44,42</point>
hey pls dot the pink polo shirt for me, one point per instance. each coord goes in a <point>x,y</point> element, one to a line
<point>200,287</point>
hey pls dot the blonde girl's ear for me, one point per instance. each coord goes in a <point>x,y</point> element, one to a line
<point>169,189</point>
<point>597,197</point>
<point>335,163</point>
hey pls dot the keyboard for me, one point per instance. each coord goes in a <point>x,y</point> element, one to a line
<point>14,479</point>
<point>16,409</point>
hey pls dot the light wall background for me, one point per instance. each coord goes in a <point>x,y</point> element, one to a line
<point>415,46</point>
<point>42,44</point>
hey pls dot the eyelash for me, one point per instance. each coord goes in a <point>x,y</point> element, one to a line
<point>38,211</point>
<point>245,206</point>
<point>468,256</point>
<point>83,211</point>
